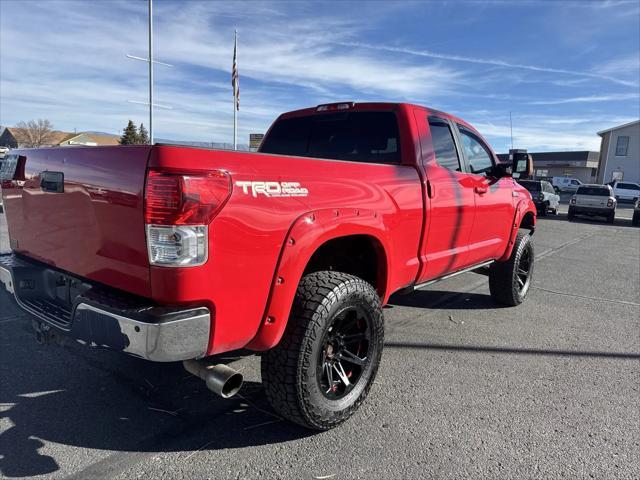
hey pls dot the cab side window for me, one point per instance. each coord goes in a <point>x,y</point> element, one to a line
<point>443,145</point>
<point>477,154</point>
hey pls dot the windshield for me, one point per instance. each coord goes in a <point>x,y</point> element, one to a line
<point>531,186</point>
<point>354,136</point>
<point>597,191</point>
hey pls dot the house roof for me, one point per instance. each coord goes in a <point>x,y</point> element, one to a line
<point>57,137</point>
<point>104,139</point>
<point>602,132</point>
<point>98,138</point>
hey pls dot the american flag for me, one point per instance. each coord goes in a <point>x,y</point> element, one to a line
<point>235,81</point>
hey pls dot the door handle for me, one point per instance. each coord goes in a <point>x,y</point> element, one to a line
<point>431,190</point>
<point>480,190</point>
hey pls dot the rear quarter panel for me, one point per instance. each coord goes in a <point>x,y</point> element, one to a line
<point>247,239</point>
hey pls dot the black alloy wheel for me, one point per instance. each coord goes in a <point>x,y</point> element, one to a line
<point>345,352</point>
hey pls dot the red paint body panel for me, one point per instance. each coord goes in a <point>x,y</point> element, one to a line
<point>247,236</point>
<point>94,229</point>
<point>259,246</point>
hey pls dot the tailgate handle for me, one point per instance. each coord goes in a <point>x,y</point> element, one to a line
<point>52,182</point>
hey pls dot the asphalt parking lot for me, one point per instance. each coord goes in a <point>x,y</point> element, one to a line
<point>550,389</point>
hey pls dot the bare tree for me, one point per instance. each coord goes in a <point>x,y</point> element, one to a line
<point>34,133</point>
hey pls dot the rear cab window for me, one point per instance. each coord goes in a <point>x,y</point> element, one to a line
<point>594,191</point>
<point>371,137</point>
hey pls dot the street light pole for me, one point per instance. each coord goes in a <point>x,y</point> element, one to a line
<point>151,61</point>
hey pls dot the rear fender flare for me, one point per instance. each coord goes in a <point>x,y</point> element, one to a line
<point>308,233</point>
<point>522,208</point>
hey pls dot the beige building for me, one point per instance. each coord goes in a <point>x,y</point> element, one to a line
<point>620,153</point>
<point>581,165</point>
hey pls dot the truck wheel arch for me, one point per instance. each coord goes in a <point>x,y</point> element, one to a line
<point>309,247</point>
<point>525,217</point>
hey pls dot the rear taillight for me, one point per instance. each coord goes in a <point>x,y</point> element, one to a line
<point>178,210</point>
<point>541,196</point>
<point>573,200</point>
<point>610,202</point>
<point>185,198</point>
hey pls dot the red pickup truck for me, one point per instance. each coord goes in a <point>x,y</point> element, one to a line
<point>174,253</point>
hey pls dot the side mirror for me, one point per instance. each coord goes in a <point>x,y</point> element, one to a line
<point>522,165</point>
<point>500,170</point>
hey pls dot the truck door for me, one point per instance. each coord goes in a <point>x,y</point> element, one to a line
<point>449,199</point>
<point>494,200</point>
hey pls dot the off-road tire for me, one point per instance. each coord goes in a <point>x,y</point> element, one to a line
<point>543,210</point>
<point>611,217</point>
<point>289,370</point>
<point>570,214</point>
<point>503,281</point>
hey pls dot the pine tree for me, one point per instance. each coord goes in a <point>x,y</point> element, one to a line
<point>143,135</point>
<point>130,135</point>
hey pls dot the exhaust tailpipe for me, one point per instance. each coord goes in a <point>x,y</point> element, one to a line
<point>220,379</point>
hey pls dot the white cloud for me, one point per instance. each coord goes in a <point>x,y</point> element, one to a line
<point>68,64</point>
<point>77,73</point>
<point>538,132</point>
<point>486,61</point>
<point>589,99</point>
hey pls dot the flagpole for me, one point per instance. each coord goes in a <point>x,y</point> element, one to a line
<point>235,89</point>
<point>151,72</point>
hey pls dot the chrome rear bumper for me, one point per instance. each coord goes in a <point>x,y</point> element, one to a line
<point>99,316</point>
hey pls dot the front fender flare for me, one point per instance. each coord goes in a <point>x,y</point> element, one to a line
<point>523,207</point>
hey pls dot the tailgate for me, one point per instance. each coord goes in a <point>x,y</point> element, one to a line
<point>81,209</point>
<point>591,201</point>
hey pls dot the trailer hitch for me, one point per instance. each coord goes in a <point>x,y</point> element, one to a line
<point>45,335</point>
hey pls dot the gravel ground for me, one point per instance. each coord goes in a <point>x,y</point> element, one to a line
<point>549,389</point>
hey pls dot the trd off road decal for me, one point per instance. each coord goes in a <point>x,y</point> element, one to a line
<point>273,189</point>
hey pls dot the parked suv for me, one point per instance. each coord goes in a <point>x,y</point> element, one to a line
<point>625,190</point>
<point>543,195</point>
<point>593,200</point>
<point>565,184</point>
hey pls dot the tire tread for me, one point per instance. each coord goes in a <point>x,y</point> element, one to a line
<point>282,365</point>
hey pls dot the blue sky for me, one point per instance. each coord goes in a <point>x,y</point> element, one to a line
<point>565,69</point>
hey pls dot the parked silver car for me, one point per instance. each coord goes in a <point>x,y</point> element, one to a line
<point>543,195</point>
<point>593,200</point>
